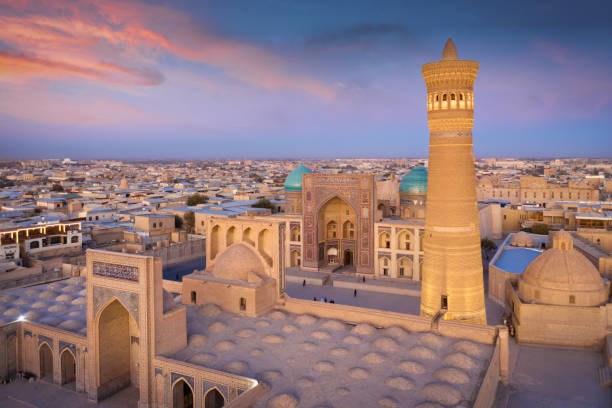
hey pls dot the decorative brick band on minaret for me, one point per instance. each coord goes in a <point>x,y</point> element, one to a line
<point>452,265</point>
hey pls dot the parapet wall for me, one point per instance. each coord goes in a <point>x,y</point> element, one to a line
<point>354,314</point>
<point>488,387</point>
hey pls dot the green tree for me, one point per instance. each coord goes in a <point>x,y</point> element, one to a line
<point>263,203</point>
<point>57,187</point>
<point>196,199</point>
<point>541,229</point>
<point>189,219</point>
<point>178,222</point>
<point>487,245</point>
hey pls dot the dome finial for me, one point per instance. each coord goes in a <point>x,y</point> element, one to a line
<point>450,51</point>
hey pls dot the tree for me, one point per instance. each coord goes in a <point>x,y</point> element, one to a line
<point>189,219</point>
<point>196,199</point>
<point>263,203</point>
<point>178,222</point>
<point>541,229</point>
<point>487,245</point>
<point>57,187</point>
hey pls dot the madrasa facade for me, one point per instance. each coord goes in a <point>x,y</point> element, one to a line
<point>230,336</point>
<point>355,224</point>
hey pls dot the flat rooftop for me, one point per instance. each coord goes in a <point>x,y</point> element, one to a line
<point>515,260</point>
<point>323,362</point>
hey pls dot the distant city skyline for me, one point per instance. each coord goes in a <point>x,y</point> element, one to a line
<point>279,79</point>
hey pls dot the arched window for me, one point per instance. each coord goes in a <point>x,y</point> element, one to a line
<point>348,230</point>
<point>34,245</point>
<point>384,240</point>
<point>403,240</point>
<point>295,234</point>
<point>384,266</point>
<point>332,229</point>
<point>444,97</point>
<point>74,239</point>
<point>194,297</point>
<point>452,97</point>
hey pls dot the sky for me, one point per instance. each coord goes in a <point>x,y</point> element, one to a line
<point>209,79</point>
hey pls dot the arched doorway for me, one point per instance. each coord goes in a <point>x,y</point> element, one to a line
<point>115,329</point>
<point>46,362</point>
<point>11,355</point>
<point>215,242</point>
<point>68,369</point>
<point>348,257</point>
<point>295,258</point>
<point>336,221</point>
<point>214,399</point>
<point>182,395</point>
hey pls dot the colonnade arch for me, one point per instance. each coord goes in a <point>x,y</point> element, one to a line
<point>182,395</point>
<point>45,358</point>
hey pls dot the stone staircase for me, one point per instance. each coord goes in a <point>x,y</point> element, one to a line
<point>604,376</point>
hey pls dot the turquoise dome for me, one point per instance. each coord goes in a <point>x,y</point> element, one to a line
<point>293,182</point>
<point>415,181</point>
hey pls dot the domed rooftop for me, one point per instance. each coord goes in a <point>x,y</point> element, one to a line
<point>563,276</point>
<point>239,263</point>
<point>415,181</point>
<point>293,182</point>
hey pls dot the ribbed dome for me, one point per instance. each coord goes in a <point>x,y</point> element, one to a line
<point>560,273</point>
<point>415,181</point>
<point>239,263</point>
<point>293,182</point>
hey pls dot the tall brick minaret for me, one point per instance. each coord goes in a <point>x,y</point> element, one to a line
<point>452,265</point>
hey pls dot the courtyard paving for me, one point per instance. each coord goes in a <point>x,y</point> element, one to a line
<point>40,394</point>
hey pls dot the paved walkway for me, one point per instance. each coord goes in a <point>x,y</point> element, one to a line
<point>39,394</point>
<point>373,300</point>
<point>183,268</point>
<point>559,378</point>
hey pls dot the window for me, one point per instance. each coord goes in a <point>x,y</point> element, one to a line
<point>452,97</point>
<point>74,239</point>
<point>505,216</point>
<point>242,304</point>
<point>444,97</point>
<point>154,225</point>
<point>194,297</point>
<point>56,240</point>
<point>161,224</point>
<point>348,212</point>
<point>572,300</point>
<point>437,98</point>
<point>331,229</point>
<point>401,271</point>
<point>34,245</point>
<point>97,218</point>
<point>444,304</point>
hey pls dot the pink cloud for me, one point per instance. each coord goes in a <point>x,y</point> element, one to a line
<point>121,42</point>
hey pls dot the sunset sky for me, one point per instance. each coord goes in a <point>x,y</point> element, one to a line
<point>296,78</point>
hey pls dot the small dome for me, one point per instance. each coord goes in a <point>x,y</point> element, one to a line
<point>450,51</point>
<point>563,276</point>
<point>521,239</point>
<point>293,182</point>
<point>239,263</point>
<point>415,181</point>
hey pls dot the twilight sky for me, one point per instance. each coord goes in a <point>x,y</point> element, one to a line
<point>296,78</point>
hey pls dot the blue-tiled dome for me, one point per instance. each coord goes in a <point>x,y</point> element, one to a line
<point>415,181</point>
<point>293,182</point>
